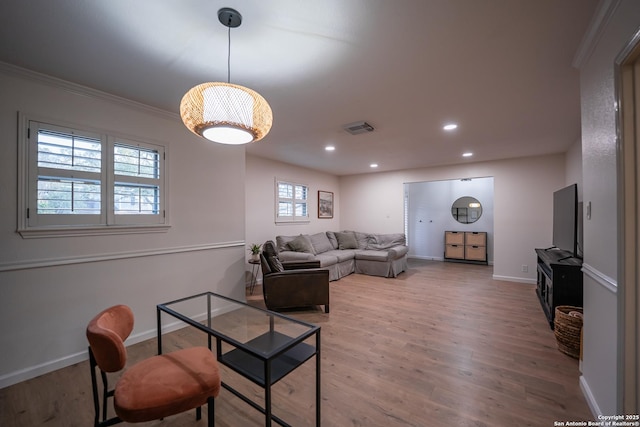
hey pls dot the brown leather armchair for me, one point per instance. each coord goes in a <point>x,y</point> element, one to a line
<point>292,284</point>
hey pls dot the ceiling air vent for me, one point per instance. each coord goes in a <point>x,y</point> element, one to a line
<point>357,128</point>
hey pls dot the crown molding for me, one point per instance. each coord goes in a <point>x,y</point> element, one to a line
<point>599,21</point>
<point>77,89</point>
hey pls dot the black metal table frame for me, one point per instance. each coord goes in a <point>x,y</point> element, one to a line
<point>266,360</point>
<point>254,275</point>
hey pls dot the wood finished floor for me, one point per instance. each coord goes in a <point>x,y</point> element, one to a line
<point>441,345</point>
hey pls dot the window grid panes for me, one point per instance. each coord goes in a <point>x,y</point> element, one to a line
<point>83,178</point>
<point>285,191</point>
<point>137,172</point>
<point>57,197</point>
<point>285,208</point>
<point>136,199</point>
<point>66,164</point>
<point>292,202</point>
<point>67,151</point>
<point>301,209</point>
<point>135,161</point>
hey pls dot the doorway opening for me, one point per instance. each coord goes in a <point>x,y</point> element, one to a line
<point>433,207</point>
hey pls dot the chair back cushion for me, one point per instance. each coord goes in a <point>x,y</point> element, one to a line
<point>270,256</point>
<point>264,264</point>
<point>106,333</point>
<point>269,249</point>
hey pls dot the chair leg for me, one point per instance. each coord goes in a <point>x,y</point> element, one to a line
<point>198,413</point>
<point>94,388</point>
<point>106,393</point>
<point>211,412</point>
<point>326,308</point>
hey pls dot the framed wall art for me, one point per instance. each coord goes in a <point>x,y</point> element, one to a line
<point>325,204</point>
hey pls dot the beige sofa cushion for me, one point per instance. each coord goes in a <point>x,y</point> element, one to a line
<point>347,240</point>
<point>386,241</point>
<point>301,243</point>
<point>321,243</point>
<point>332,238</point>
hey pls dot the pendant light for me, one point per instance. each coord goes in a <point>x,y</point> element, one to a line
<point>224,112</point>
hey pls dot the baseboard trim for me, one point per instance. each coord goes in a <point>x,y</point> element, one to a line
<point>591,400</point>
<point>41,369</point>
<point>435,258</point>
<point>427,258</point>
<point>515,279</point>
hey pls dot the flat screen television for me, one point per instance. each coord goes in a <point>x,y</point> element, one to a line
<point>565,219</point>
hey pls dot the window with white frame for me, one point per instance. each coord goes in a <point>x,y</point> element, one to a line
<point>73,180</point>
<point>136,182</point>
<point>291,202</point>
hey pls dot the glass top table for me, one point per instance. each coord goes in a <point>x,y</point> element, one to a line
<point>261,345</point>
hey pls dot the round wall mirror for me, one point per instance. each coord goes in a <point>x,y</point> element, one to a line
<point>466,210</point>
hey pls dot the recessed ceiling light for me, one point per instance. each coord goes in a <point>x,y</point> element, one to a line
<point>450,126</point>
<point>329,148</point>
<point>467,154</point>
<point>373,165</point>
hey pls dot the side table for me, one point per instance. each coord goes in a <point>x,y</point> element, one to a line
<point>254,276</point>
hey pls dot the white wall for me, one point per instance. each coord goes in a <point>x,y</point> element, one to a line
<point>597,92</point>
<point>260,200</point>
<point>525,182</point>
<point>429,214</point>
<point>51,287</point>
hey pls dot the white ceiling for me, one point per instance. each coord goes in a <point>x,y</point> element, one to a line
<point>501,69</point>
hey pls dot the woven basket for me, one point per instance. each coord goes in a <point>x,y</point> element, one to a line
<point>567,328</point>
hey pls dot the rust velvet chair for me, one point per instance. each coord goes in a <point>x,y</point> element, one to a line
<point>154,388</point>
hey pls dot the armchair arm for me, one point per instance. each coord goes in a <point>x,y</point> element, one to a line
<point>286,256</point>
<point>297,277</point>
<point>296,288</point>
<point>298,265</point>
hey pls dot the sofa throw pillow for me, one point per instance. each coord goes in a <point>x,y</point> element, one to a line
<point>283,242</point>
<point>301,244</point>
<point>320,243</point>
<point>346,240</point>
<point>332,238</point>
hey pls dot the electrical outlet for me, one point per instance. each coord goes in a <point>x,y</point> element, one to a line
<point>525,268</point>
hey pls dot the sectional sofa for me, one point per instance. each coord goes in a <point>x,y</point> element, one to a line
<point>347,252</point>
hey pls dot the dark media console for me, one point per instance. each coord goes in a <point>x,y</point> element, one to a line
<point>559,281</point>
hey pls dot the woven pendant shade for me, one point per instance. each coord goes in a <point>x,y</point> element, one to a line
<point>226,113</point>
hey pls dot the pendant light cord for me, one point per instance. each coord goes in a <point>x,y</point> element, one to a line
<point>229,54</point>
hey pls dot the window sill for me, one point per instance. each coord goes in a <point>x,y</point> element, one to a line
<point>44,232</point>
